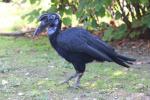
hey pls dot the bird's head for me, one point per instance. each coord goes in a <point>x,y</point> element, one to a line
<point>47,20</point>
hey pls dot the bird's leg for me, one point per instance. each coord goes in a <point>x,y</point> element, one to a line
<point>68,79</point>
<point>77,82</point>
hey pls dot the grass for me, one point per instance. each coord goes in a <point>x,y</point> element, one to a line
<point>31,69</point>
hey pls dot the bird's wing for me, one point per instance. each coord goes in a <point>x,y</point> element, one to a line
<point>97,54</point>
<point>96,41</point>
<point>80,45</point>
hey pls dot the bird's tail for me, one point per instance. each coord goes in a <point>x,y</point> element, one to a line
<point>124,61</point>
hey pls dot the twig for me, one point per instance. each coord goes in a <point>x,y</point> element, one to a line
<point>15,33</point>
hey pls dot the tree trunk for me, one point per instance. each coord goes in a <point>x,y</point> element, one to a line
<point>137,10</point>
<point>124,16</point>
<point>6,1</point>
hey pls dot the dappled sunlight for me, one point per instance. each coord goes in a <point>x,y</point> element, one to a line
<point>92,85</point>
<point>119,73</point>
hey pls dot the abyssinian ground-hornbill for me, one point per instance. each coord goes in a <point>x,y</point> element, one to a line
<point>78,46</point>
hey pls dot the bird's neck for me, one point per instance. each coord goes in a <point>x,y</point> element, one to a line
<point>53,33</point>
<point>53,30</point>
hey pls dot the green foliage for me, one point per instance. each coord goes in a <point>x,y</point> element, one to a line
<point>32,1</point>
<point>121,32</point>
<point>118,15</point>
<point>146,21</point>
<point>137,23</point>
<point>90,12</point>
<point>108,35</point>
<point>134,34</point>
<point>31,16</point>
<point>67,21</point>
<point>115,34</point>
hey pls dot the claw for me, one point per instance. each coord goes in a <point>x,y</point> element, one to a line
<point>67,80</point>
<point>64,82</point>
<point>77,83</point>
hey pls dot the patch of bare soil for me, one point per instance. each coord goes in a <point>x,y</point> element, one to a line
<point>140,49</point>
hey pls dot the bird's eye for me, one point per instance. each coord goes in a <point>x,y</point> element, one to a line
<point>52,17</point>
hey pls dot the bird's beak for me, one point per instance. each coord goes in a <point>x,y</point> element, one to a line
<point>37,32</point>
<point>40,29</point>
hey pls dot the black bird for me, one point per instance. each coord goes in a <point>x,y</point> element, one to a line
<point>78,46</point>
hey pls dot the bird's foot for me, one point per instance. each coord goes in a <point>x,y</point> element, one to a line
<point>68,79</point>
<point>64,82</point>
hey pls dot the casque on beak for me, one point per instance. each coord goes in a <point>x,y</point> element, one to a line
<point>40,29</point>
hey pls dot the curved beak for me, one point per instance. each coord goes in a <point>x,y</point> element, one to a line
<point>40,29</point>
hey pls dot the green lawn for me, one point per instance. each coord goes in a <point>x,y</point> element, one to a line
<point>31,70</point>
